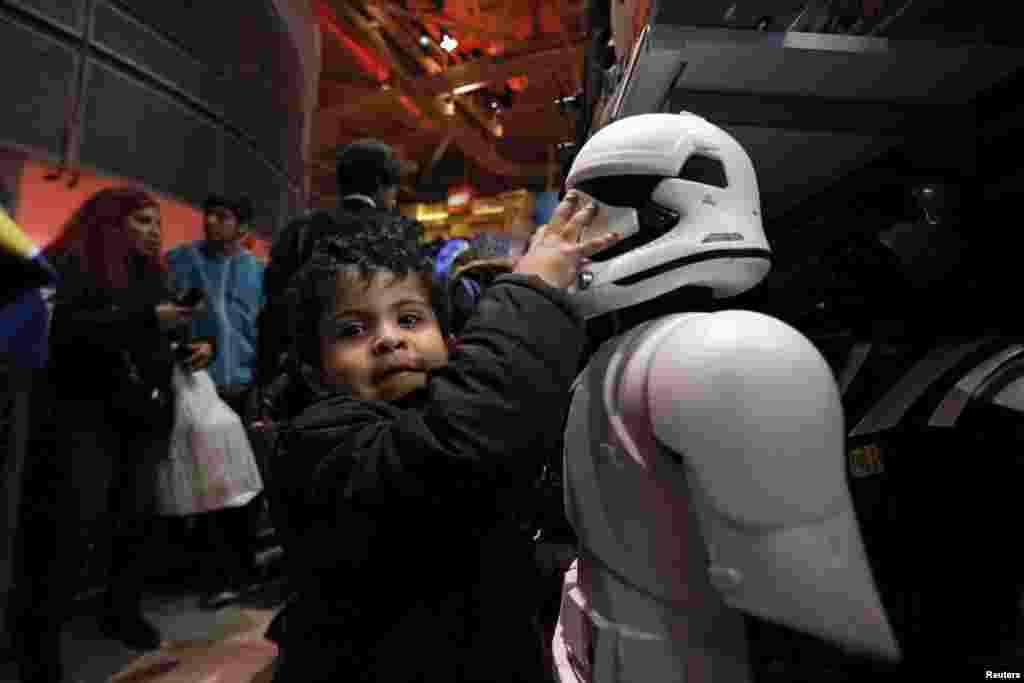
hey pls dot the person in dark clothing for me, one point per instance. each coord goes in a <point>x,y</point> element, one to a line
<point>368,175</point>
<point>407,477</point>
<point>86,459</point>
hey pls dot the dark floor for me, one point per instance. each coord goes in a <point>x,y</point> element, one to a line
<point>173,608</point>
<point>89,657</point>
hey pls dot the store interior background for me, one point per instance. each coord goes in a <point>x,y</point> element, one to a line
<point>185,99</point>
<point>476,96</point>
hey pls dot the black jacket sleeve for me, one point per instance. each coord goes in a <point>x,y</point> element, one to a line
<point>484,421</point>
<point>284,258</point>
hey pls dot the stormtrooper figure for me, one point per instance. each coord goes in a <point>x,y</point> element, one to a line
<point>704,452</point>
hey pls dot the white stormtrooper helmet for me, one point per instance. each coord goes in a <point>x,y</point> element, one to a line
<point>684,193</point>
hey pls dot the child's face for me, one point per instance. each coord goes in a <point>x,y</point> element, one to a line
<point>381,341</point>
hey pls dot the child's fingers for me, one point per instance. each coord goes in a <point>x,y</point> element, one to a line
<point>566,226</point>
<point>583,217</point>
<point>564,211</point>
<point>591,247</point>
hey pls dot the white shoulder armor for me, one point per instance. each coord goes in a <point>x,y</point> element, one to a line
<point>704,469</point>
<point>752,408</point>
<point>751,411</point>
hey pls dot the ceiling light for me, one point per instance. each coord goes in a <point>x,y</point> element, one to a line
<point>448,105</point>
<point>448,44</point>
<point>470,87</point>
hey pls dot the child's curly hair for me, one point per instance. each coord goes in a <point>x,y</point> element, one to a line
<point>374,242</point>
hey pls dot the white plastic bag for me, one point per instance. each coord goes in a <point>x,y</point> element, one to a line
<point>211,464</point>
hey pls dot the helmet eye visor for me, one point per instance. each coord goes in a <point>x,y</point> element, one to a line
<point>625,205</point>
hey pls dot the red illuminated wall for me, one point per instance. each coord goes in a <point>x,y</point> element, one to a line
<point>44,206</point>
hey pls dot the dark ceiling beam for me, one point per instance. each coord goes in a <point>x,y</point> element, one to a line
<point>408,79</point>
<point>401,37</point>
<point>445,19</point>
<point>474,143</point>
<point>399,60</point>
<point>344,97</point>
<point>484,120</point>
<point>535,116</point>
<point>563,59</point>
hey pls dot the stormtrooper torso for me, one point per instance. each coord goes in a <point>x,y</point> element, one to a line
<point>703,476</point>
<point>646,610</point>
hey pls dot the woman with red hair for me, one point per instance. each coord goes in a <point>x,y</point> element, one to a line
<point>91,458</point>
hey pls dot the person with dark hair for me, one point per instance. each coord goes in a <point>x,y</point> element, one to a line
<point>89,458</point>
<point>368,176</point>
<point>228,212</point>
<point>230,280</point>
<point>407,476</point>
<point>284,394</point>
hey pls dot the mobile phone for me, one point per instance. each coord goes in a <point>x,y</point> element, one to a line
<point>191,298</point>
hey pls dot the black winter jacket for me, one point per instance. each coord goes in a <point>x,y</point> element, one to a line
<point>408,516</point>
<point>91,327</point>
<point>76,391</point>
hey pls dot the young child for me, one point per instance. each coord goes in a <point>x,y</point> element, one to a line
<point>407,476</point>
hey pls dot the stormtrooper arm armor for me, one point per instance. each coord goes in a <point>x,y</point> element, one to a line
<point>749,409</point>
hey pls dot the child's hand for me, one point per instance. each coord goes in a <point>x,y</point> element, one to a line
<point>201,358</point>
<point>555,251</point>
<point>171,315</point>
